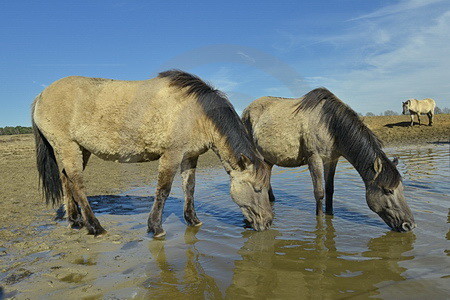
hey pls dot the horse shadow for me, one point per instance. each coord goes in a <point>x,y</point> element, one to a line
<point>133,205</point>
<point>439,143</point>
<point>400,124</point>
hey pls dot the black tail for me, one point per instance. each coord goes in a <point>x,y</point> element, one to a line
<point>47,166</point>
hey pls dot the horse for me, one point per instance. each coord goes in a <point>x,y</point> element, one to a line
<point>417,107</point>
<point>174,117</point>
<point>316,130</point>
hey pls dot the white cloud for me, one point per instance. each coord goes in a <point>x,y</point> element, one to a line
<point>222,80</point>
<point>399,7</point>
<point>397,61</point>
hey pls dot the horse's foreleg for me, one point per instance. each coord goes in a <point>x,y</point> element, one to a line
<point>315,166</point>
<point>412,118</point>
<point>329,171</point>
<point>188,166</point>
<point>418,118</point>
<point>73,162</point>
<point>168,166</point>
<point>271,195</point>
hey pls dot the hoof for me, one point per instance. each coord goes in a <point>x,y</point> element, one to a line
<point>196,224</point>
<point>103,233</point>
<point>77,224</point>
<point>192,220</point>
<point>319,214</point>
<point>157,231</point>
<point>159,234</point>
<point>96,231</point>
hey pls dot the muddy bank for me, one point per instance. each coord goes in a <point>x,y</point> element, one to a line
<point>396,130</point>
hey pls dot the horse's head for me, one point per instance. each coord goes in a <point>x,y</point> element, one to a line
<point>250,190</point>
<point>406,106</point>
<point>389,203</point>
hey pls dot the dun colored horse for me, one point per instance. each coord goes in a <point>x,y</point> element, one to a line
<point>316,130</point>
<point>174,117</point>
<point>417,107</point>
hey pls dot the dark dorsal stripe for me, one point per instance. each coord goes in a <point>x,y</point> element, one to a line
<point>357,143</point>
<point>218,109</point>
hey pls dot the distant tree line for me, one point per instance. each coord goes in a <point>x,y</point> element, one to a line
<point>388,112</point>
<point>8,130</point>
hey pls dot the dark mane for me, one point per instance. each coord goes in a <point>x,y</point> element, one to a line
<point>356,142</point>
<point>218,109</point>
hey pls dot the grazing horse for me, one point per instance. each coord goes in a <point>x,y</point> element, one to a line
<point>417,107</point>
<point>316,130</point>
<point>174,117</point>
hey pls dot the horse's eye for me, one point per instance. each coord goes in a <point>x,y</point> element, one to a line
<point>257,189</point>
<point>388,191</point>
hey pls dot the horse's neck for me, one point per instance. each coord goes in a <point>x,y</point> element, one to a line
<point>221,146</point>
<point>225,154</point>
<point>365,170</point>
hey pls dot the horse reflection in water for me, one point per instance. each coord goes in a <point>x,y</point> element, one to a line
<point>275,267</point>
<point>195,283</point>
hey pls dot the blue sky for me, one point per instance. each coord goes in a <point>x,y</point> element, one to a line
<point>372,54</point>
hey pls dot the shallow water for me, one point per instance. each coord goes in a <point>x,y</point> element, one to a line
<point>353,254</point>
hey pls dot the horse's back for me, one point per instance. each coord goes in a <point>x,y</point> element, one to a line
<point>423,106</point>
<point>114,118</point>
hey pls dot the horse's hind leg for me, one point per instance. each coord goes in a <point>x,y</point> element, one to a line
<point>418,118</point>
<point>188,166</point>
<point>73,212</point>
<point>430,118</point>
<point>329,171</point>
<point>168,165</point>
<point>72,159</point>
<point>315,166</point>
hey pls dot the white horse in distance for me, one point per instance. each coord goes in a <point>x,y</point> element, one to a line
<point>417,107</point>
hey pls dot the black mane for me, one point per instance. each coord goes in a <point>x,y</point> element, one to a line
<point>356,142</point>
<point>218,109</point>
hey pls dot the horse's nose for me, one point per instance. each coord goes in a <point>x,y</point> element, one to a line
<point>406,226</point>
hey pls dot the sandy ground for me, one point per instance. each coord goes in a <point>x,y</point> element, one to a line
<point>23,212</point>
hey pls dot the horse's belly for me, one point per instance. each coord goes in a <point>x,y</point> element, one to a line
<point>114,146</point>
<point>281,151</point>
<point>130,158</point>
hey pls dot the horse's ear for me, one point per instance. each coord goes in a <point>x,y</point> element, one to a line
<point>377,167</point>
<point>395,161</point>
<point>244,162</point>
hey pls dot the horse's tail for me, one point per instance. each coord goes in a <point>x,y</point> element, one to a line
<point>47,166</point>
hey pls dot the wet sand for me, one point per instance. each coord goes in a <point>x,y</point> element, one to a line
<point>25,222</point>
